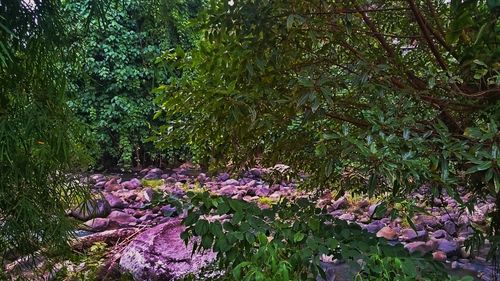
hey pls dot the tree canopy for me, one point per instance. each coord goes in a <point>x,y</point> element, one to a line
<point>377,97</point>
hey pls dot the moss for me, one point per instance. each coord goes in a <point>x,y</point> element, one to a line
<point>266,201</point>
<point>152,183</point>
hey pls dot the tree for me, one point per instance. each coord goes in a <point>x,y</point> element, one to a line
<point>376,97</point>
<point>112,83</point>
<point>38,146</point>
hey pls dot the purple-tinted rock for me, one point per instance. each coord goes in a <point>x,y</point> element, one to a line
<point>426,220</point>
<point>148,194</point>
<point>410,235</point>
<point>97,178</point>
<point>160,254</point>
<point>262,192</point>
<point>251,183</point>
<point>131,184</point>
<point>120,219</point>
<point>228,190</point>
<point>201,177</point>
<point>450,248</point>
<point>374,226</point>
<point>100,184</point>
<point>114,201</point>
<point>338,204</point>
<point>98,224</point>
<point>440,233</point>
<point>256,172</point>
<point>419,246</point>
<point>223,177</point>
<point>387,232</point>
<point>230,182</point>
<point>347,217</point>
<point>167,210</point>
<point>372,209</point>
<point>450,227</point>
<point>92,209</point>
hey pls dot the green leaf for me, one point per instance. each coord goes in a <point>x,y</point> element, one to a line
<point>484,166</point>
<point>201,227</point>
<point>297,237</point>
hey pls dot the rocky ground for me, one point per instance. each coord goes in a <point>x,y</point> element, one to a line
<point>147,243</point>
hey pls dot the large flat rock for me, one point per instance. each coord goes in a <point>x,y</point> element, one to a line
<point>160,254</point>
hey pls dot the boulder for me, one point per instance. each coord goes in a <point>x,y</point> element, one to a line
<point>450,227</point>
<point>131,184</point>
<point>228,190</point>
<point>97,224</point>
<point>450,248</point>
<point>92,209</point>
<point>419,246</point>
<point>223,177</point>
<point>160,254</point>
<point>439,256</point>
<point>120,219</point>
<point>410,235</point>
<point>338,204</point>
<point>387,232</point>
<point>230,182</point>
<point>114,201</point>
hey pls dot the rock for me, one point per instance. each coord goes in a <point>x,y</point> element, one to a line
<point>372,209</point>
<point>429,221</point>
<point>131,184</point>
<point>419,246</point>
<point>439,256</point>
<point>450,227</point>
<point>338,204</point>
<point>168,211</point>
<point>160,254</point>
<point>450,248</point>
<point>251,183</point>
<point>228,190</point>
<point>410,235</point>
<point>97,178</point>
<point>154,174</point>
<point>98,224</point>
<point>120,219</point>
<point>231,182</point>
<point>100,184</point>
<point>257,173</point>
<point>387,232</point>
<point>148,194</point>
<point>374,226</point>
<point>363,204</point>
<point>223,177</point>
<point>347,217</point>
<point>112,185</point>
<point>114,201</point>
<point>202,177</point>
<point>262,192</point>
<point>438,234</point>
<point>92,209</point>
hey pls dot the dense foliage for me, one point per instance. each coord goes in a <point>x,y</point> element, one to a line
<point>288,240</point>
<point>37,133</point>
<point>372,96</point>
<point>112,83</point>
